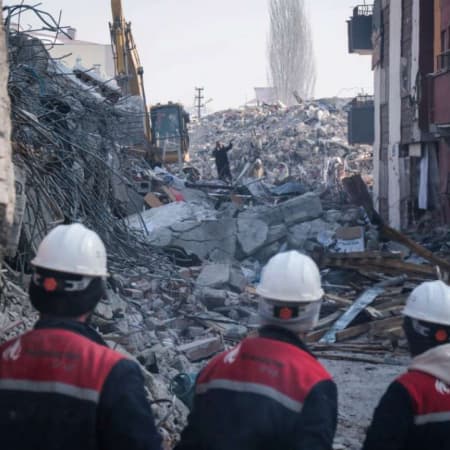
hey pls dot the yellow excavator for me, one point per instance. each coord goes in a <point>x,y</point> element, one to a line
<point>165,125</point>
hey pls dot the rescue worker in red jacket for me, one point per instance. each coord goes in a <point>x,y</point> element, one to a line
<point>414,413</point>
<point>269,392</point>
<point>61,387</point>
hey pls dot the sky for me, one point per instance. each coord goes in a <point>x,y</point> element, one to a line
<point>219,45</point>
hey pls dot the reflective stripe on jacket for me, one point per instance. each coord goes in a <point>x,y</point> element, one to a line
<point>413,414</point>
<point>61,387</point>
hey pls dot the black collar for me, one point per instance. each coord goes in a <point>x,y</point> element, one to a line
<point>70,325</point>
<point>283,335</point>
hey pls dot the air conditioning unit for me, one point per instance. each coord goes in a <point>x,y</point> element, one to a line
<point>360,120</point>
<point>360,30</point>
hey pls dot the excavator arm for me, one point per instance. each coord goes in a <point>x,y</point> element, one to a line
<point>168,141</point>
<point>128,69</point>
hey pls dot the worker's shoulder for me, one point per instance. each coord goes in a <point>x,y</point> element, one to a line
<point>299,359</point>
<point>415,378</point>
<point>289,358</point>
<point>69,343</point>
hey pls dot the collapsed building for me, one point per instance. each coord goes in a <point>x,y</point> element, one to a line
<point>185,250</point>
<point>305,142</point>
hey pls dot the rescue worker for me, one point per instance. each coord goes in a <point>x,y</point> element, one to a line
<point>414,413</point>
<point>222,163</point>
<point>61,387</point>
<point>256,169</point>
<point>269,392</point>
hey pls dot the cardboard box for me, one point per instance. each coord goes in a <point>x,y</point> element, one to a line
<point>350,239</point>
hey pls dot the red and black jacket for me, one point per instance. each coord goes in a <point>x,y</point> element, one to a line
<point>269,392</point>
<point>414,413</point>
<point>61,387</point>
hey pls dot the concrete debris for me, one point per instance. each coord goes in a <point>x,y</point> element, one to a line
<point>212,298</point>
<point>201,349</point>
<point>251,234</point>
<point>214,275</point>
<point>186,251</point>
<point>301,209</point>
<point>305,143</point>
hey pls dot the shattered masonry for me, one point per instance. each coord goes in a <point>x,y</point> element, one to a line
<point>185,252</point>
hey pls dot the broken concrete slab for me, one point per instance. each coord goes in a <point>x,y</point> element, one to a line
<point>333,216</point>
<point>212,298</point>
<point>265,253</point>
<point>160,237</point>
<point>136,294</point>
<point>237,280</point>
<point>215,240</point>
<point>167,215</point>
<point>236,333</point>
<point>201,349</point>
<point>275,233</point>
<point>300,233</point>
<point>214,276</point>
<point>301,209</point>
<point>268,214</point>
<point>195,196</point>
<point>118,305</point>
<point>104,310</point>
<point>251,234</point>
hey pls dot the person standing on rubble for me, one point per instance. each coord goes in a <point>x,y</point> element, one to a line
<point>61,387</point>
<point>220,153</point>
<point>414,413</point>
<point>269,392</point>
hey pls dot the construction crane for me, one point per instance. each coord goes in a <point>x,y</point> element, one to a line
<point>165,125</point>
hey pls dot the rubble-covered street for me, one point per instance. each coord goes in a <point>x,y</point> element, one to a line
<point>186,249</point>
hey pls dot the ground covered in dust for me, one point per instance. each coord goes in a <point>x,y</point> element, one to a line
<point>360,386</point>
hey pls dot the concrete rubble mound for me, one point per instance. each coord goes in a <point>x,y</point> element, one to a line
<point>306,143</point>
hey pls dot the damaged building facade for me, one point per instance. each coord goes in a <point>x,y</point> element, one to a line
<point>410,47</point>
<point>6,168</point>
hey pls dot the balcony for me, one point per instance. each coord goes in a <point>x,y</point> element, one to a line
<point>359,28</point>
<point>361,120</point>
<point>439,85</point>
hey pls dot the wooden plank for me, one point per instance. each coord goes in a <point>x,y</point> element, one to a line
<point>384,324</point>
<point>314,336</point>
<point>352,332</point>
<point>357,347</point>
<point>152,200</point>
<point>250,290</point>
<point>359,193</point>
<point>339,300</point>
<point>364,300</point>
<point>345,357</point>
<point>237,200</point>
<point>327,320</point>
<point>169,193</point>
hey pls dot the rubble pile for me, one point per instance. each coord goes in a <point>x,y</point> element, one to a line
<point>185,253</point>
<point>68,140</point>
<point>306,143</point>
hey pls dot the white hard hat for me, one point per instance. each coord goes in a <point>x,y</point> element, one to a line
<point>290,277</point>
<point>72,249</point>
<point>430,302</point>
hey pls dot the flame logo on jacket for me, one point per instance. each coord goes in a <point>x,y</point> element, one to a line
<point>12,353</point>
<point>230,357</point>
<point>441,387</point>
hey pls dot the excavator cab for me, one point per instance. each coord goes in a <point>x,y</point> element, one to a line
<point>170,135</point>
<point>166,133</point>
